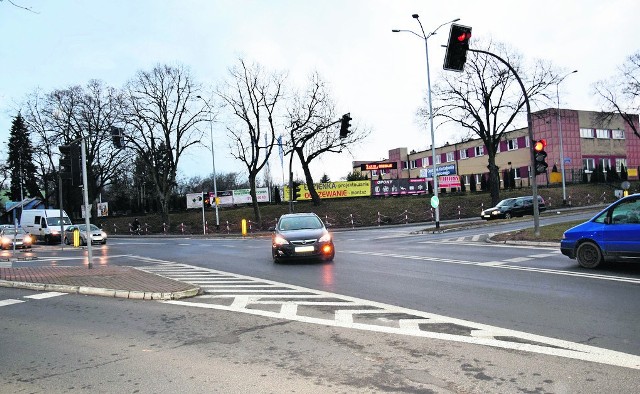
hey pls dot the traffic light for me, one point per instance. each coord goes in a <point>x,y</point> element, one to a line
<point>297,191</point>
<point>344,125</point>
<point>540,157</point>
<point>117,135</point>
<point>70,166</point>
<point>456,55</point>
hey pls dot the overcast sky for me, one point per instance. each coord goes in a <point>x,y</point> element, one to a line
<point>376,75</point>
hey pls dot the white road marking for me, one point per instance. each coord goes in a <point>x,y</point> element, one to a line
<point>502,265</point>
<point>10,302</point>
<point>479,334</point>
<point>42,296</point>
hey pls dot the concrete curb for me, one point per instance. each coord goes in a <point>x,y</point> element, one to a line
<point>95,291</point>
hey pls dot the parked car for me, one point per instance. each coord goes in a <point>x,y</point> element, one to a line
<point>301,236</point>
<point>512,207</point>
<point>97,236</point>
<point>10,235</point>
<point>613,234</point>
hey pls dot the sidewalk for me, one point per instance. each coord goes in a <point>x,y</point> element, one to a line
<point>111,281</point>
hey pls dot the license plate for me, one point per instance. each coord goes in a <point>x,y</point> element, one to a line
<point>304,249</point>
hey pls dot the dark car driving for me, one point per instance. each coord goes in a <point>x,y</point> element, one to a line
<point>301,236</point>
<point>512,207</point>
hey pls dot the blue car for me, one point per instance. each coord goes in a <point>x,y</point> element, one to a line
<point>613,234</point>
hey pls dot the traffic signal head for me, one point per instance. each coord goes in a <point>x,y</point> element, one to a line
<point>540,157</point>
<point>297,191</point>
<point>117,135</point>
<point>344,125</point>
<point>70,166</point>
<point>456,55</point>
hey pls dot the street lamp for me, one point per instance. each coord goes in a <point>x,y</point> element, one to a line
<point>564,189</point>
<point>425,37</point>
<point>213,163</point>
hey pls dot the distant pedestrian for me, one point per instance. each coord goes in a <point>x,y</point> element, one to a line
<point>136,226</point>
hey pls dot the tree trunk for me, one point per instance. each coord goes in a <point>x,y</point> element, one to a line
<point>494,180</point>
<point>254,200</point>
<point>309,179</point>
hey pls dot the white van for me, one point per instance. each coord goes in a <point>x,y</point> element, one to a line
<point>45,224</point>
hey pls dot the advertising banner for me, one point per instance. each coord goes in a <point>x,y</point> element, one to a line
<point>243,196</point>
<point>449,181</point>
<point>194,200</point>
<point>334,190</point>
<point>449,169</point>
<point>394,187</point>
<point>103,209</point>
<point>224,198</point>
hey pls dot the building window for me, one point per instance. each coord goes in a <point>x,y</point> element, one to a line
<point>412,164</point>
<point>586,133</point>
<point>602,133</point>
<point>619,164</point>
<point>518,175</point>
<point>451,156</point>
<point>604,164</point>
<point>588,165</point>
<point>526,141</point>
<point>437,159</point>
<point>617,134</point>
<point>382,172</point>
<point>479,150</point>
<point>425,162</point>
<point>374,173</point>
<point>405,164</point>
<point>512,144</point>
<point>463,153</point>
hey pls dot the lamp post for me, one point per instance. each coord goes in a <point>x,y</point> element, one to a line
<point>425,37</point>
<point>564,189</point>
<point>213,163</point>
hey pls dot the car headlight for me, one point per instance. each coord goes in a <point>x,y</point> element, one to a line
<point>495,213</point>
<point>27,239</point>
<point>279,240</point>
<point>55,232</point>
<point>104,235</point>
<point>5,240</point>
<point>325,238</point>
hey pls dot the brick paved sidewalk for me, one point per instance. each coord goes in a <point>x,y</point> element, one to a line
<point>112,281</point>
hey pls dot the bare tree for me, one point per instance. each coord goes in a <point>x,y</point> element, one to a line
<point>160,125</point>
<point>253,97</point>
<point>64,116</point>
<point>312,116</point>
<point>620,94</point>
<point>486,99</point>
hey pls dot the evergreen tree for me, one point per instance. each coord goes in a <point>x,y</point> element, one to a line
<point>20,162</point>
<point>472,183</point>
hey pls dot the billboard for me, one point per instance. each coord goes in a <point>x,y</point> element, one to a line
<point>334,190</point>
<point>243,196</point>
<point>396,187</point>
<point>448,169</point>
<point>194,200</point>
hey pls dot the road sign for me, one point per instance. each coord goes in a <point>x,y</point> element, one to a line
<point>435,201</point>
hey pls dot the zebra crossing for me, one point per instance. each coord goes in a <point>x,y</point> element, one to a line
<point>38,296</point>
<point>239,293</point>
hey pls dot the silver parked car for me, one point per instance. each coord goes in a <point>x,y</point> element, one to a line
<point>97,236</point>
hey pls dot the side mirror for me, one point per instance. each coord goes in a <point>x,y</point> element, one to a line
<point>272,228</point>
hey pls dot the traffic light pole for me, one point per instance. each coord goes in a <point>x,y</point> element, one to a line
<point>534,183</point>
<point>87,207</point>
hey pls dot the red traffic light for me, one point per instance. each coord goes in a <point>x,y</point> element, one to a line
<point>540,145</point>
<point>465,36</point>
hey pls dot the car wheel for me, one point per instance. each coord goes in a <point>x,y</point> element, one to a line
<point>507,215</point>
<point>588,255</point>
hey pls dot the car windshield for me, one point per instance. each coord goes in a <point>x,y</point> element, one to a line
<point>83,227</point>
<point>506,203</point>
<point>55,221</point>
<point>299,223</point>
<point>12,231</point>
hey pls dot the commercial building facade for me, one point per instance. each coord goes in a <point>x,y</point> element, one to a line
<point>589,139</point>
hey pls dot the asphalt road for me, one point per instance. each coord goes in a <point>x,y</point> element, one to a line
<point>554,319</point>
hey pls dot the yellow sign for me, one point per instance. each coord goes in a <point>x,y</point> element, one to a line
<point>334,190</point>
<point>632,172</point>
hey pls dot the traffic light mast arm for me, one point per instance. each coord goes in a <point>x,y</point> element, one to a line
<point>532,159</point>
